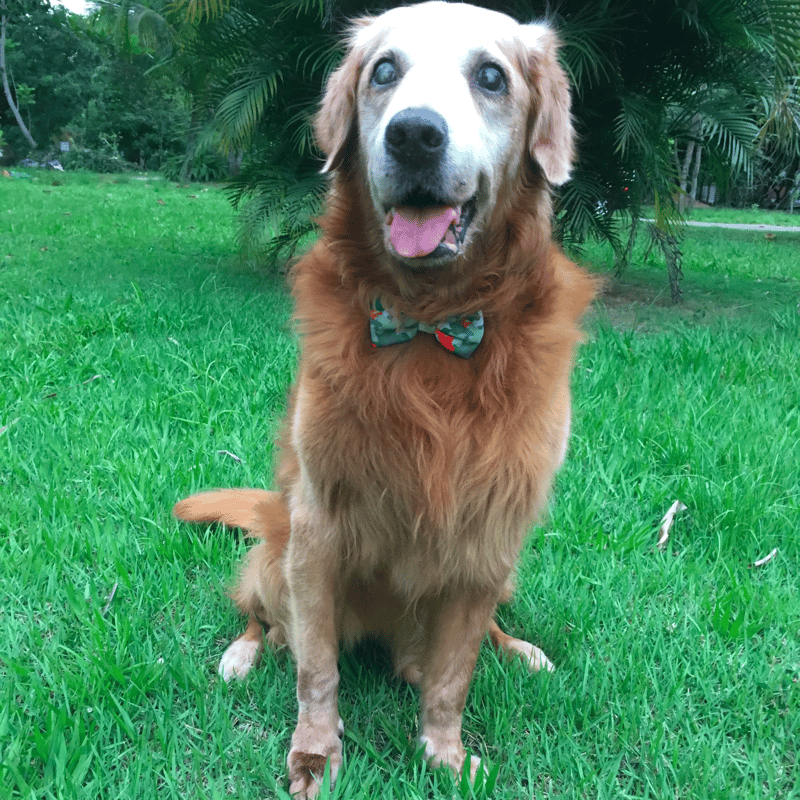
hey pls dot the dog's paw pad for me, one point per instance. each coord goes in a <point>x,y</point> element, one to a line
<point>239,659</point>
<point>306,770</point>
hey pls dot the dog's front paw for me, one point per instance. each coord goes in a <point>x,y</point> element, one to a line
<point>451,754</point>
<point>312,748</point>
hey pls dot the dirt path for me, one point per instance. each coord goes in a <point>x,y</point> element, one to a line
<point>740,226</point>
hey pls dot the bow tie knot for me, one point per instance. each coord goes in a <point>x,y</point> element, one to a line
<point>459,335</point>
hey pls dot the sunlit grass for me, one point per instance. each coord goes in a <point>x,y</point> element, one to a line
<point>136,356</point>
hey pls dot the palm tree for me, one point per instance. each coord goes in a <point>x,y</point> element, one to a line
<point>269,63</point>
<point>655,81</point>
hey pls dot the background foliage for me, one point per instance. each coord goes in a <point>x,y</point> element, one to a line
<point>76,82</point>
<point>654,83</point>
<point>668,95</point>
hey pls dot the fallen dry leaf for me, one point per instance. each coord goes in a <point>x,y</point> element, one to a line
<point>160,202</point>
<point>89,380</point>
<point>110,599</point>
<point>666,523</point>
<point>230,455</point>
<point>767,558</point>
<point>6,427</point>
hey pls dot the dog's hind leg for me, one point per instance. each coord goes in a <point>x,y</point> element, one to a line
<point>244,652</point>
<point>531,655</point>
<point>260,592</point>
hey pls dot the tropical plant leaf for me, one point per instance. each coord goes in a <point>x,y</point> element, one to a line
<point>198,10</point>
<point>586,44</point>
<point>241,109</point>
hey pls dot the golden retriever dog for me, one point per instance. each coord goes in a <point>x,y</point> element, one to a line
<point>431,407</point>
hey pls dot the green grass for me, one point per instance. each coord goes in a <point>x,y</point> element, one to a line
<point>135,352</point>
<point>738,275</point>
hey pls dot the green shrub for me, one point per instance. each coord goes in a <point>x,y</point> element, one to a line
<point>206,166</point>
<point>94,160</point>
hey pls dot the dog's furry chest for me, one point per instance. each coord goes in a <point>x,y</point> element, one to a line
<point>430,498</point>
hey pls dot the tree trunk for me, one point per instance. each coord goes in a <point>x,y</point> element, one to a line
<point>696,174</point>
<point>670,247</point>
<point>6,88</point>
<point>624,258</point>
<point>684,176</point>
<point>194,125</point>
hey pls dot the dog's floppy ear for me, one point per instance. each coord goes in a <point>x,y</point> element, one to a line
<point>552,137</point>
<point>335,125</point>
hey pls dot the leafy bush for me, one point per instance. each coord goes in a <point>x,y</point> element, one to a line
<point>203,167</point>
<point>103,160</point>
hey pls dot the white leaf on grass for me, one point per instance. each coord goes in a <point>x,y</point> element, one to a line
<point>110,599</point>
<point>10,425</point>
<point>230,455</point>
<point>767,558</point>
<point>666,523</point>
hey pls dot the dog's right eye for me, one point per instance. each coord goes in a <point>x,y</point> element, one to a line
<point>492,79</point>
<point>384,73</point>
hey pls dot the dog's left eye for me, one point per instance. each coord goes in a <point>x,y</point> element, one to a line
<point>384,73</point>
<point>491,79</point>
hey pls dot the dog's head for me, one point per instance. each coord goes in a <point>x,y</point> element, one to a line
<point>441,103</point>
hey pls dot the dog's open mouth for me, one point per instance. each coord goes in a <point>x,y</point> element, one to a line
<point>423,227</point>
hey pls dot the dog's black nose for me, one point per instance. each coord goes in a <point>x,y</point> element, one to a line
<point>416,137</point>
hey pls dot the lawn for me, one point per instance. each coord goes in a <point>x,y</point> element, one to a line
<point>141,361</point>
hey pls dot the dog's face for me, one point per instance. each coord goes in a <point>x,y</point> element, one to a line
<point>440,103</point>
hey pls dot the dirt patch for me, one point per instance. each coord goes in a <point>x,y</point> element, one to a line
<point>640,300</point>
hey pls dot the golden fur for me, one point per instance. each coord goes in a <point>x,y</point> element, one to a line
<point>409,477</point>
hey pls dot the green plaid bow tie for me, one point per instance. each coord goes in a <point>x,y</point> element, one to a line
<point>459,335</point>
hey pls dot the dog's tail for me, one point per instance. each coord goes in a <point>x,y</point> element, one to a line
<point>261,588</point>
<point>256,511</point>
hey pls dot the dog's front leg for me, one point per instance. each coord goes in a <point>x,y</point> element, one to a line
<point>456,625</point>
<point>312,572</point>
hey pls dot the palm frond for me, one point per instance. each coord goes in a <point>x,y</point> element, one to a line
<point>320,9</point>
<point>638,124</point>
<point>194,11</point>
<point>727,126</point>
<point>318,58</point>
<point>582,213</point>
<point>779,116</point>
<point>775,25</point>
<point>587,44</point>
<point>277,212</point>
<point>241,109</point>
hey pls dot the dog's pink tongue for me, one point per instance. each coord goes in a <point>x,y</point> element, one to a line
<point>416,232</point>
